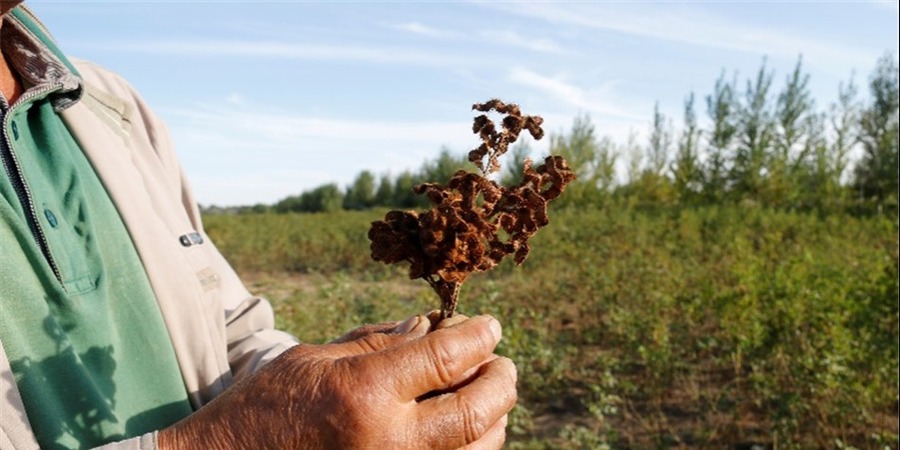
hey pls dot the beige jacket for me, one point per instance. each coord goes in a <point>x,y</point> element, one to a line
<point>220,332</point>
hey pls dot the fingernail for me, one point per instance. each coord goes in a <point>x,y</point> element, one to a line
<point>408,325</point>
<point>495,328</point>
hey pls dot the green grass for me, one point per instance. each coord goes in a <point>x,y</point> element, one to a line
<point>703,328</point>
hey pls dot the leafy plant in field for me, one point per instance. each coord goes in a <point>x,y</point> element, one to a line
<point>720,326</point>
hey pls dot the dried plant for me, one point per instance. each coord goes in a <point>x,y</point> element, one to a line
<point>461,233</point>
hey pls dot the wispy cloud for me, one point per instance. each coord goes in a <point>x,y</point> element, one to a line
<point>694,27</point>
<point>890,5</point>
<point>239,143</point>
<point>419,28</point>
<point>507,37</point>
<point>594,101</point>
<point>286,127</point>
<point>235,98</point>
<point>511,38</point>
<point>276,49</point>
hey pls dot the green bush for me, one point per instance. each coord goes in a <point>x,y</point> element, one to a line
<point>708,327</point>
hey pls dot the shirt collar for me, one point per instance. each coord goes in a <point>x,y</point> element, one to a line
<point>37,66</point>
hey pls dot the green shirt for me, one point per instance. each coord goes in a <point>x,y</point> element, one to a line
<point>78,318</point>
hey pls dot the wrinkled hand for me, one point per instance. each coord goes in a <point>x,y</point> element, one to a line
<point>443,389</point>
<point>418,325</point>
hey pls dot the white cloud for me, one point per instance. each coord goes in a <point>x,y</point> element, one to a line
<point>284,127</point>
<point>506,37</point>
<point>418,28</point>
<point>235,98</point>
<point>890,5</point>
<point>247,154</point>
<point>694,27</point>
<point>277,49</point>
<point>511,38</point>
<point>594,101</point>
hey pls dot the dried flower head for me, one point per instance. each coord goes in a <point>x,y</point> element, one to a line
<point>460,234</point>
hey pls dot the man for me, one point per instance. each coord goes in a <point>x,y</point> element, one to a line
<point>121,324</point>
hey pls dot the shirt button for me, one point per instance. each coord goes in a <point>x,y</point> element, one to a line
<point>51,218</point>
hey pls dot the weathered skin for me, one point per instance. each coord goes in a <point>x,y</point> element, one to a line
<point>384,386</point>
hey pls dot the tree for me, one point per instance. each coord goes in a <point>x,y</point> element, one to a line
<point>361,194</point>
<point>288,204</point>
<point>632,150</point>
<point>811,176</point>
<point>793,109</point>
<point>513,169</point>
<point>686,170</point>
<point>843,118</point>
<point>877,173</point>
<point>660,142</point>
<point>581,150</point>
<point>797,137</point>
<point>749,166</point>
<point>384,196</point>
<point>721,106</point>
<point>605,167</point>
<point>404,197</point>
<point>325,198</point>
<point>647,183</point>
<point>442,169</point>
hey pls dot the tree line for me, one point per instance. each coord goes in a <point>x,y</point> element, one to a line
<point>760,147</point>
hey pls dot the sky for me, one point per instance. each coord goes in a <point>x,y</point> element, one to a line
<point>268,99</point>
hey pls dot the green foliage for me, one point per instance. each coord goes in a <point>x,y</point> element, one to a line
<point>747,295</point>
<point>763,147</point>
<point>361,194</point>
<point>384,196</point>
<point>755,138</point>
<point>514,169</point>
<point>877,173</point>
<point>708,327</point>
<point>442,169</point>
<point>660,142</point>
<point>404,196</point>
<point>798,137</point>
<point>325,198</point>
<point>721,106</point>
<point>592,160</point>
<point>687,174</point>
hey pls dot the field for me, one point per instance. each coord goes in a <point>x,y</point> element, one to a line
<point>671,328</point>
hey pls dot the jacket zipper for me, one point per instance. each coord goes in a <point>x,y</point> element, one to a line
<point>14,171</point>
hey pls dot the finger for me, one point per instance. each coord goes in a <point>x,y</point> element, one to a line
<point>433,361</point>
<point>367,329</point>
<point>493,439</point>
<point>460,418</point>
<point>450,321</point>
<point>367,345</point>
<point>418,325</point>
<point>463,380</point>
<point>436,323</point>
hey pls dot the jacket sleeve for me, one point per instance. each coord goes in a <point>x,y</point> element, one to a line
<point>252,339</point>
<point>250,334</point>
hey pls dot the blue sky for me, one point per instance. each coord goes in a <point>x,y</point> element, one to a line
<point>267,99</point>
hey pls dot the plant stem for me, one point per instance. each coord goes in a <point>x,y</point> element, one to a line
<point>448,291</point>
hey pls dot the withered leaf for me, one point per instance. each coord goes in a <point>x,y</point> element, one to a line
<point>459,234</point>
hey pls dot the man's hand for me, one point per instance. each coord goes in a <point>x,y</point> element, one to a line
<point>416,325</point>
<point>443,389</point>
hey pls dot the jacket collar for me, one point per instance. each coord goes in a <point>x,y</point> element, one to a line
<point>38,61</point>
